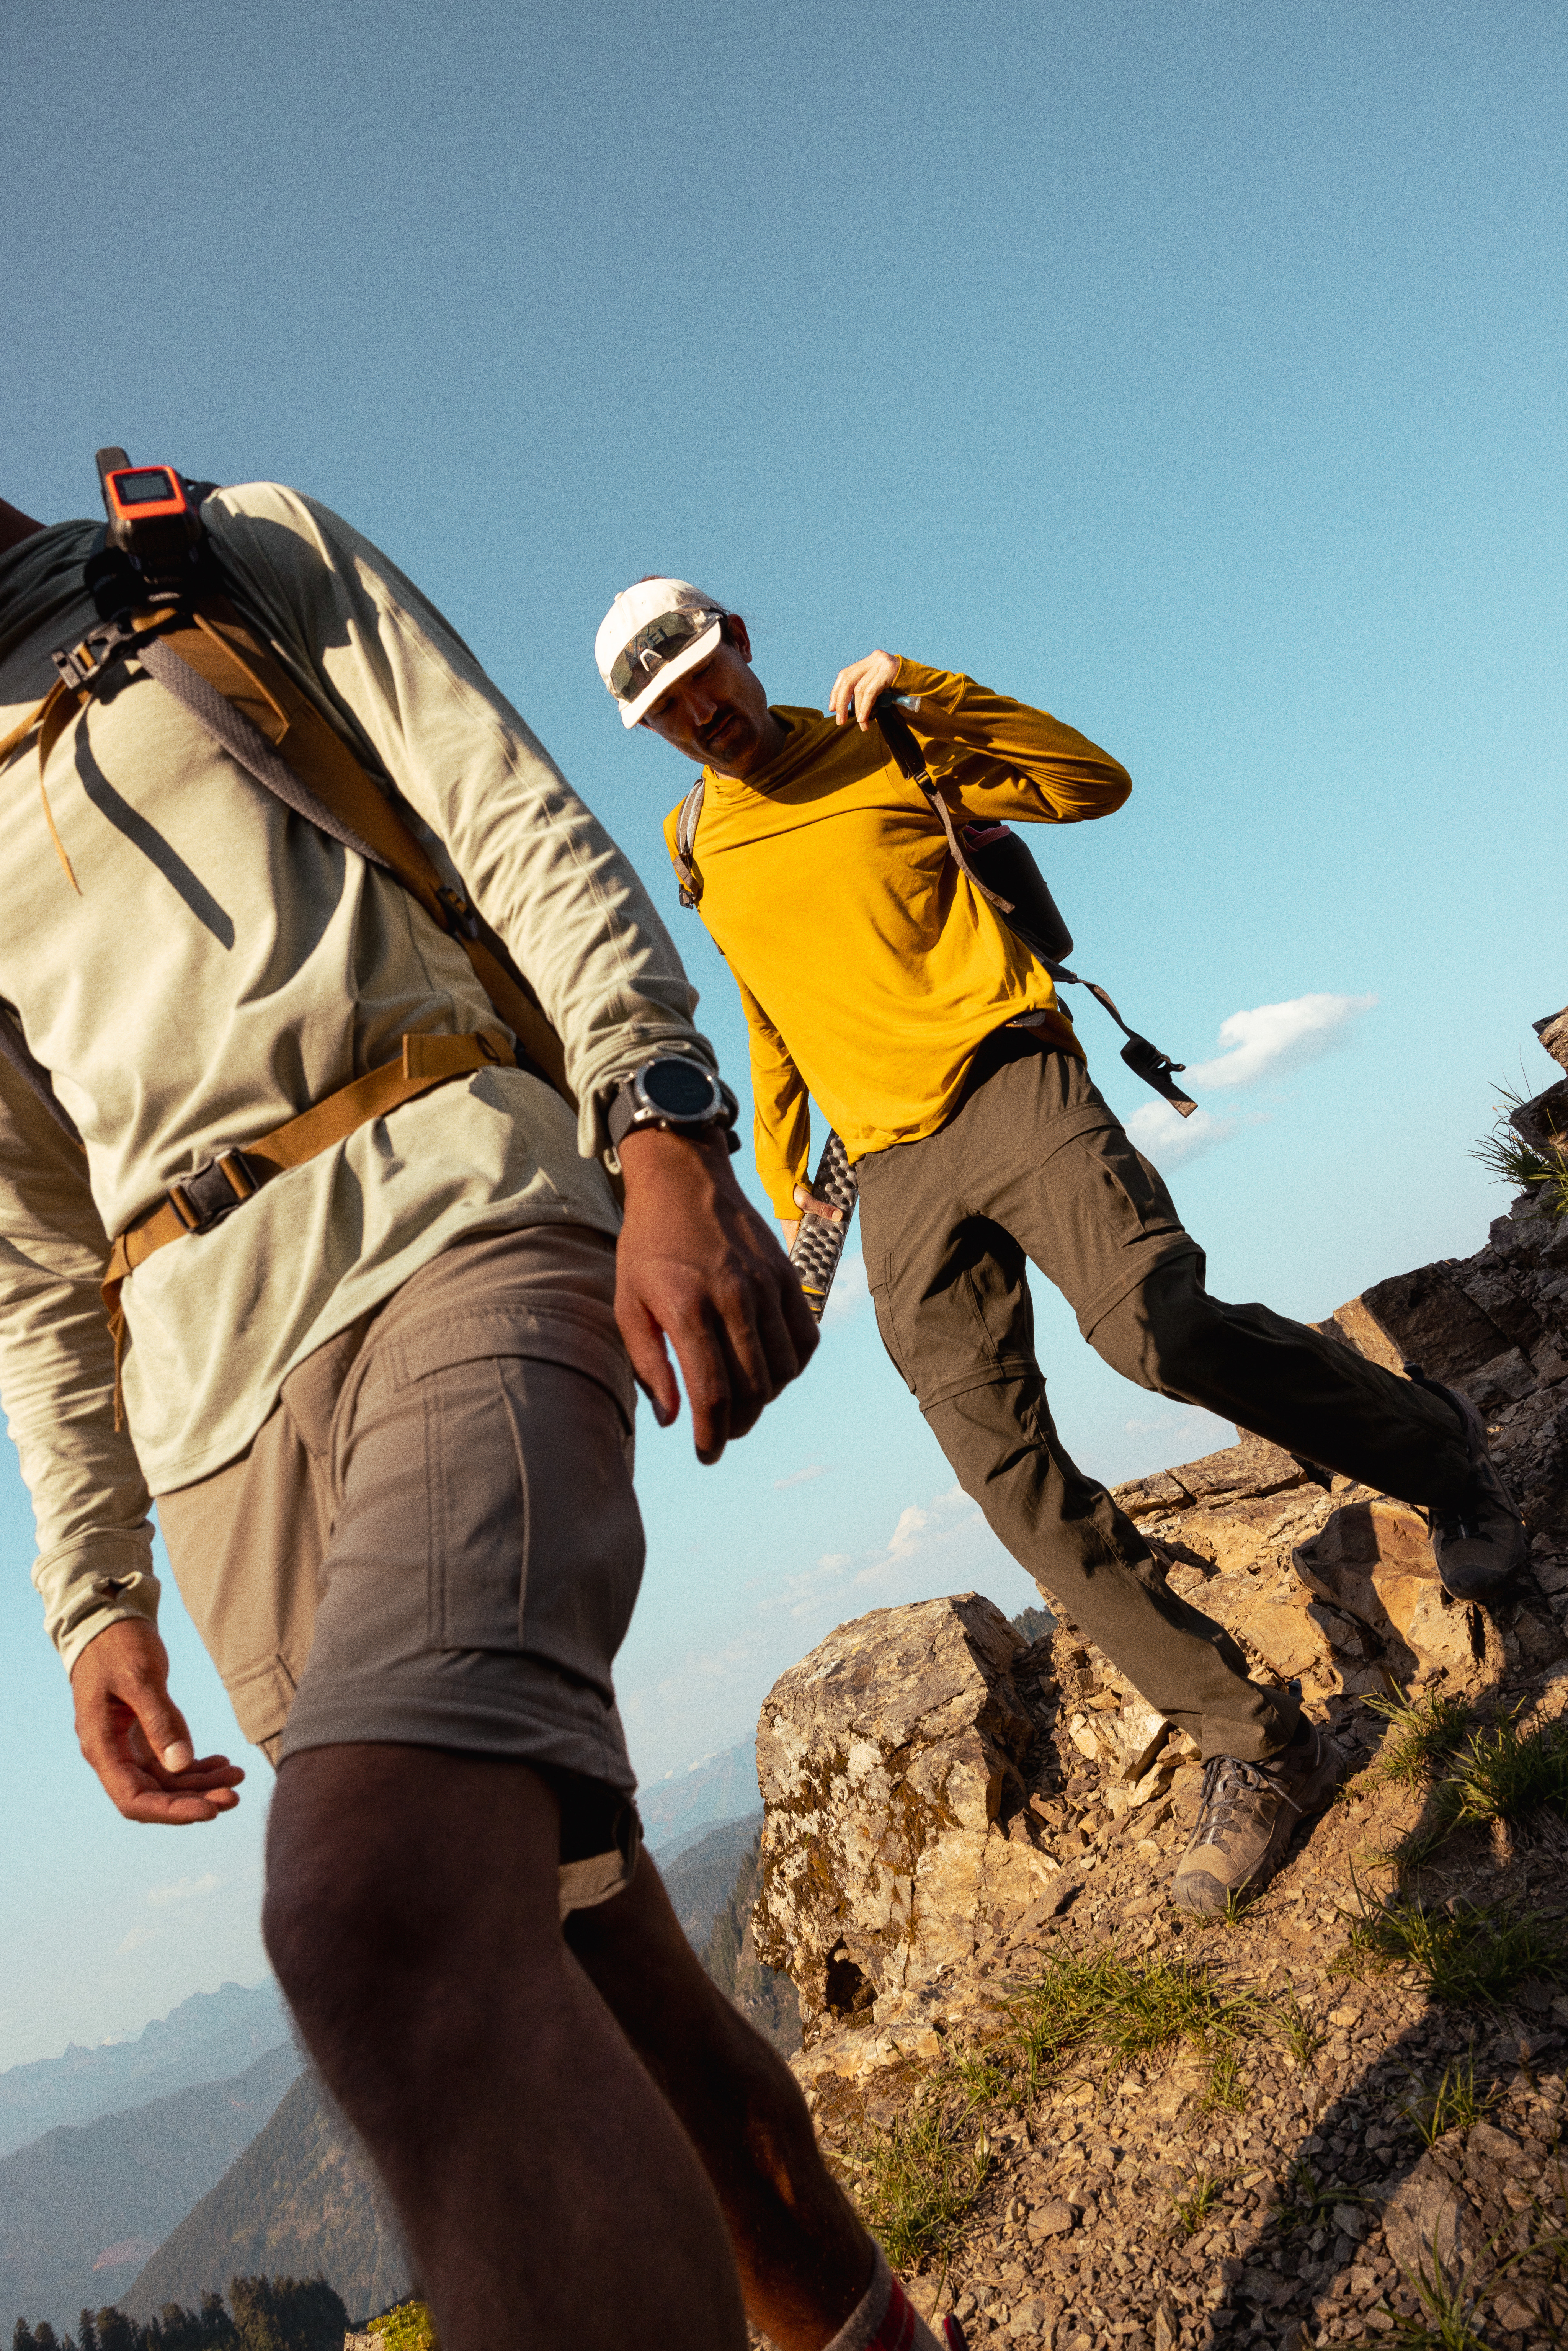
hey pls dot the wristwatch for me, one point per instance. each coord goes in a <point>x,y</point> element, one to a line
<point>676,1094</point>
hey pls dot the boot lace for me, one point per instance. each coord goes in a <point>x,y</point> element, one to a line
<point>1227,1784</point>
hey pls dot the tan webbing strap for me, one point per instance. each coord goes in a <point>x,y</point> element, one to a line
<point>425,1061</point>
<point>51,718</point>
<point>217,645</point>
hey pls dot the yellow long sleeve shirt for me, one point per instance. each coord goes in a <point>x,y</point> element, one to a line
<point>869,968</point>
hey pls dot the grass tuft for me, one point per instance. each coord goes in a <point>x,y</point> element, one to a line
<point>1103,2004</point>
<point>1455,2103</point>
<point>1466,1953</point>
<point>1426,1734</point>
<point>1226,2090</point>
<point>1509,1159</point>
<point>1194,2209</point>
<point>1504,1774</point>
<point>1446,2318</point>
<point>1303,2037</point>
<point>916,2182</point>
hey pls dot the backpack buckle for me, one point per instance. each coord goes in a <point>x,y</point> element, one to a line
<point>214,1191</point>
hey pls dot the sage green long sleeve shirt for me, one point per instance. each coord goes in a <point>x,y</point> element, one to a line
<point>225,966</point>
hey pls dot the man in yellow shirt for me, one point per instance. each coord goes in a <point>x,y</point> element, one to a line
<point>876,979</point>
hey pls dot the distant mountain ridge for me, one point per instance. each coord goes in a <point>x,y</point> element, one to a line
<point>298,2203</point>
<point>210,2036</point>
<point>83,2206</point>
<point>722,1787</point>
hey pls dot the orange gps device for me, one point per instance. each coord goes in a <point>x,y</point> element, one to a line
<point>155,538</point>
<point>143,493</point>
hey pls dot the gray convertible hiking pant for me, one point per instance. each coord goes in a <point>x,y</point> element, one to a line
<point>1034,1165</point>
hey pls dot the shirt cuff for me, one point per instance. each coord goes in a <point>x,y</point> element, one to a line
<point>94,1583</point>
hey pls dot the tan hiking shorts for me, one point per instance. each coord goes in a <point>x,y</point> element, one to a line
<point>434,1540</point>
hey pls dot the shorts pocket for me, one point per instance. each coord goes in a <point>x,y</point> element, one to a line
<point>261,1697</point>
<point>535,1538</point>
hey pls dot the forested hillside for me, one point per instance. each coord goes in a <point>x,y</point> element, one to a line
<point>299,2201</point>
<point>84,2206</point>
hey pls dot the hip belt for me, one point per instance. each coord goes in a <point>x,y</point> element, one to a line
<point>201,1200</point>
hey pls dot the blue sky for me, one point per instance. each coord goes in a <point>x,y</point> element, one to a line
<point>1196,373</point>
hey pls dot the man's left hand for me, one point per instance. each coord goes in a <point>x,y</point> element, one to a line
<point>698,1266</point>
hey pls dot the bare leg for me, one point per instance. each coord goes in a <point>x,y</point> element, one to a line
<point>804,2259</point>
<point>549,2194</point>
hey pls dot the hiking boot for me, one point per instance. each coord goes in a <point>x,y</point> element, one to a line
<point>1478,1541</point>
<point>1248,1817</point>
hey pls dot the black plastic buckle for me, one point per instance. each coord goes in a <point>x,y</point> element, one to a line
<point>214,1192</point>
<point>459,913</point>
<point>83,665</point>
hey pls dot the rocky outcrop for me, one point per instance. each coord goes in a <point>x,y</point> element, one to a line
<point>891,1759</point>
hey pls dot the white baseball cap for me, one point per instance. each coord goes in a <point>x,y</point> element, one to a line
<point>651,634</point>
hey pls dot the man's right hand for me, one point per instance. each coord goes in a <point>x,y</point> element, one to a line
<point>135,1737</point>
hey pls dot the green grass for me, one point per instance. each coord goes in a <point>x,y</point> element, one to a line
<point>1455,2103</point>
<point>916,2182</point>
<point>409,2327</point>
<point>1194,2209</point>
<point>1302,2037</point>
<point>1504,1774</point>
<point>1509,1159</point>
<point>1106,2005</point>
<point>1475,1772</point>
<point>1446,2318</point>
<point>982,2076</point>
<point>1308,2202</point>
<point>1226,2090</point>
<point>1467,1953</point>
<point>1425,1735</point>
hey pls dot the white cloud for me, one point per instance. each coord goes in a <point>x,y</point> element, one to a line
<point>1278,1037</point>
<point>848,1292</point>
<point>1162,1133</point>
<point>921,1532</point>
<point>802,1477</point>
<point>183,1889</point>
<point>134,1940</point>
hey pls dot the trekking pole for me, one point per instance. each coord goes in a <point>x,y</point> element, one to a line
<point>819,1243</point>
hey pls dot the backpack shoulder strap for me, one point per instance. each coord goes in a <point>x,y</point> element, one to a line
<point>911,761</point>
<point>215,664</point>
<point>685,843</point>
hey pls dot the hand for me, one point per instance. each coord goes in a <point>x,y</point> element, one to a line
<point>815,1205</point>
<point>135,1737</point>
<point>858,687</point>
<point>697,1265</point>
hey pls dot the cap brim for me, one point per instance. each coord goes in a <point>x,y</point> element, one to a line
<point>695,653</point>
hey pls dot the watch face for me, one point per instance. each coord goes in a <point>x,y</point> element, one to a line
<point>679,1089</point>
